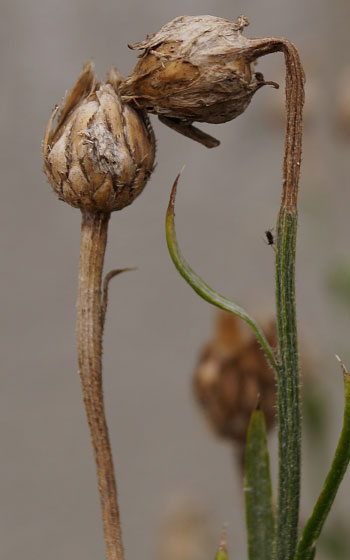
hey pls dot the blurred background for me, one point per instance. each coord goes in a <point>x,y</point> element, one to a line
<point>177,482</point>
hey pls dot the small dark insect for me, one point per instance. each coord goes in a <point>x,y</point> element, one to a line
<point>270,238</point>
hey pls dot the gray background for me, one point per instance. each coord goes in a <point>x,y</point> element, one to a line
<point>228,196</point>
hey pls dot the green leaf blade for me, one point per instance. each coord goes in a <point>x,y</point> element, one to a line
<point>313,527</point>
<point>202,288</point>
<point>257,491</point>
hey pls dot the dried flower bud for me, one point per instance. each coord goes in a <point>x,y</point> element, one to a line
<point>232,374</point>
<point>195,68</point>
<point>101,153</point>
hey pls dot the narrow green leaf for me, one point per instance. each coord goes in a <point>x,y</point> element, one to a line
<point>257,490</point>
<point>202,289</point>
<point>338,468</point>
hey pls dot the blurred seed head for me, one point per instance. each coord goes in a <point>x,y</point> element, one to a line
<point>232,374</point>
<point>101,153</point>
<point>194,68</point>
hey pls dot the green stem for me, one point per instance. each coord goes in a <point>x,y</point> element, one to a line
<point>289,417</point>
<point>312,530</point>
<point>288,388</point>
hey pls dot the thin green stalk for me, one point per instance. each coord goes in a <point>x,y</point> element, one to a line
<point>306,548</point>
<point>288,389</point>
<point>202,289</point>
<point>289,416</point>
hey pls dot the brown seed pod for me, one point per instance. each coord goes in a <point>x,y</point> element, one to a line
<point>101,152</point>
<point>232,375</point>
<point>195,68</point>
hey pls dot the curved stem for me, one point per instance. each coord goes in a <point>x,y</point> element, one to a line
<point>89,335</point>
<point>289,407</point>
<point>294,110</point>
<point>289,416</point>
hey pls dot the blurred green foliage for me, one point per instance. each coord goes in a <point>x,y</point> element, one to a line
<point>338,281</point>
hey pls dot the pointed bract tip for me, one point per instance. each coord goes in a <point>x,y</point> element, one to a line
<point>258,402</point>
<point>344,370</point>
<point>222,550</point>
<point>223,541</point>
<point>173,191</point>
<point>88,66</point>
<point>114,77</point>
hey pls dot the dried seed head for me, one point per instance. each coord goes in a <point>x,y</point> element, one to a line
<point>101,153</point>
<point>232,374</point>
<point>195,68</point>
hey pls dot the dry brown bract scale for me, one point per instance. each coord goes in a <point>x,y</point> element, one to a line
<point>195,68</point>
<point>232,375</point>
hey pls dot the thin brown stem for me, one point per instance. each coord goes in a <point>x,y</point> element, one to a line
<point>288,378</point>
<point>89,334</point>
<point>294,112</point>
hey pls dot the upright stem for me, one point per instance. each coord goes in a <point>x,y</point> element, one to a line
<point>89,334</point>
<point>288,379</point>
<point>289,410</point>
<point>288,389</point>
